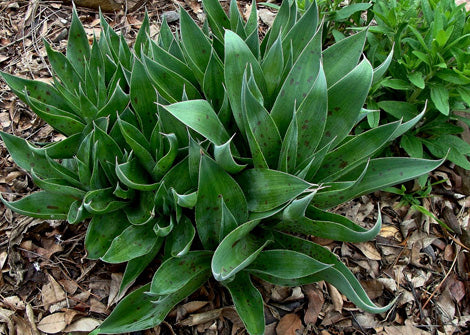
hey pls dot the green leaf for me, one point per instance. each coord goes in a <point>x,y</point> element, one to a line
<point>286,264</point>
<point>170,84</point>
<point>349,10</point>
<point>42,205</point>
<point>237,250</point>
<point>399,109</point>
<point>78,49</point>
<point>345,109</point>
<point>381,172</point>
<point>412,145</point>
<point>248,303</point>
<point>237,58</point>
<point>213,82</point>
<point>267,189</point>
<point>64,122</point>
<point>195,44</point>
<point>199,116</point>
<point>380,70</point>
<point>224,158</point>
<point>139,144</point>
<point>176,272</point>
<point>214,184</point>
<point>165,163</point>
<point>417,79</point>
<point>342,57</point>
<point>338,275</point>
<point>311,118</point>
<point>330,226</point>
<point>440,98</point>
<point>142,210</point>
<point>218,20</point>
<point>356,150</point>
<point>63,68</point>
<point>102,201</point>
<point>58,186</point>
<point>138,311</point>
<point>132,174</point>
<point>272,66</point>
<point>36,89</point>
<point>298,83</point>
<point>179,241</point>
<point>258,121</point>
<point>137,265</point>
<point>23,155</point>
<point>133,242</point>
<point>302,32</point>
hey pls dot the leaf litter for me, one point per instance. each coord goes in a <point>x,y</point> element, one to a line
<point>48,286</point>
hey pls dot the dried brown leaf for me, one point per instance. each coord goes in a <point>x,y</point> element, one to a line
<point>373,287</point>
<point>336,297</point>
<point>52,292</point>
<point>289,324</point>
<point>315,303</point>
<point>369,250</point>
<point>83,325</point>
<point>52,324</point>
<point>116,279</point>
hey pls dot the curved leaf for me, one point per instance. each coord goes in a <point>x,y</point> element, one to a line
<point>248,303</point>
<point>177,272</point>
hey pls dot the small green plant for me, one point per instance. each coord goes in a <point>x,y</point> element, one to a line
<point>430,40</point>
<point>203,151</point>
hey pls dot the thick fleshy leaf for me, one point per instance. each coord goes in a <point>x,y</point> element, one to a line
<point>37,90</point>
<point>344,109</point>
<point>138,311</point>
<point>180,239</point>
<point>311,118</point>
<point>21,152</point>
<point>213,82</point>
<point>248,303</point>
<point>43,205</point>
<point>63,68</point>
<point>356,150</point>
<point>169,83</point>
<point>273,66</point>
<point>237,250</point>
<point>380,70</point>
<point>195,44</point>
<point>267,189</point>
<point>381,172</point>
<point>102,201</point>
<point>237,58</point>
<point>342,57</point>
<point>77,212</point>
<point>302,32</point>
<point>298,83</point>
<point>133,242</point>
<point>218,20</point>
<point>142,209</point>
<point>199,116</point>
<point>176,272</point>
<point>288,154</point>
<point>163,225</point>
<point>224,158</point>
<point>165,163</point>
<point>263,130</point>
<point>58,186</point>
<point>134,176</point>
<point>64,122</point>
<point>286,264</point>
<point>330,226</point>
<point>214,184</point>
<point>338,275</point>
<point>137,265</point>
<point>78,49</point>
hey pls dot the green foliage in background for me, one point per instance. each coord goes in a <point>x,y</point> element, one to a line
<point>210,153</point>
<point>431,62</point>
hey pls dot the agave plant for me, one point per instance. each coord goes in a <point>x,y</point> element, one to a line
<point>205,150</point>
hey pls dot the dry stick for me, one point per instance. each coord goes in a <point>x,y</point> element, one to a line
<point>443,280</point>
